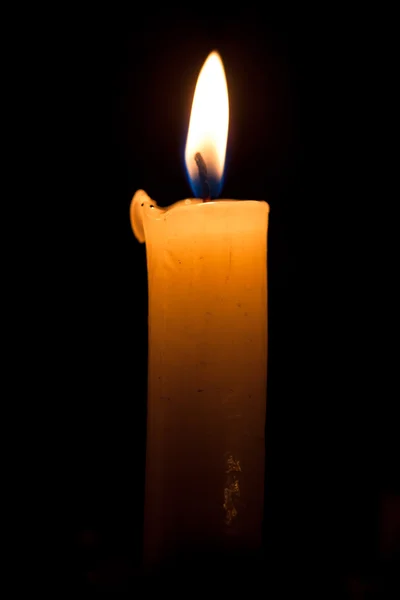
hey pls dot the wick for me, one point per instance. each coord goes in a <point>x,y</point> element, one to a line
<point>202,167</point>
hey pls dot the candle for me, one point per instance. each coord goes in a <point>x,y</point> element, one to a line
<point>207,318</point>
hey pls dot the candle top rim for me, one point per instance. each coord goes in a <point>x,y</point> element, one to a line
<point>142,206</point>
<point>142,199</point>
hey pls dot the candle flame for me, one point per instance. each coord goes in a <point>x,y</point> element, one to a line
<point>208,130</point>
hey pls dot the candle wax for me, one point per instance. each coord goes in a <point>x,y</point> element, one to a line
<point>207,373</point>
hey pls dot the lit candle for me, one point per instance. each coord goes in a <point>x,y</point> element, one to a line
<point>207,363</point>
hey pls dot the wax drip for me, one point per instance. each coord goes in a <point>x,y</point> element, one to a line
<point>202,167</point>
<point>231,488</point>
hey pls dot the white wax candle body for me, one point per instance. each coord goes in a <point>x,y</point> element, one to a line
<point>207,371</point>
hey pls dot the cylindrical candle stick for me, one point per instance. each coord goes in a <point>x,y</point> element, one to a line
<point>207,372</point>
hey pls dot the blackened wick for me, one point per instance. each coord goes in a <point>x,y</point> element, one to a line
<point>202,167</point>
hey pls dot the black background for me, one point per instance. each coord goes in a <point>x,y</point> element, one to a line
<point>301,138</point>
